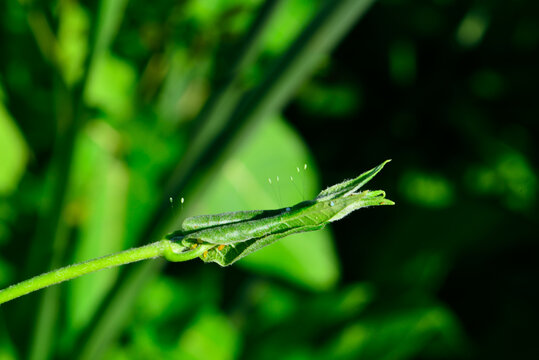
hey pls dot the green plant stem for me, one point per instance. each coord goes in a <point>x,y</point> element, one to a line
<point>163,248</point>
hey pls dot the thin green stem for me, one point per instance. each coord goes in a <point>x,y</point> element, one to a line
<point>166,248</point>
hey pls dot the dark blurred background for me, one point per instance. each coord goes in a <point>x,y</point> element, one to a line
<point>110,109</point>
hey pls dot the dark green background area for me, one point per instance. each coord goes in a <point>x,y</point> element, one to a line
<point>109,109</point>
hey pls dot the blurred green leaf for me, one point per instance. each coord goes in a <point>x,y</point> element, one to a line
<point>210,336</point>
<point>508,175</point>
<point>99,204</point>
<point>247,173</point>
<point>409,331</point>
<point>73,32</point>
<point>472,28</point>
<point>163,299</point>
<point>14,152</point>
<point>427,189</point>
<point>289,21</point>
<point>272,305</point>
<point>111,86</point>
<point>110,16</point>
<point>184,88</point>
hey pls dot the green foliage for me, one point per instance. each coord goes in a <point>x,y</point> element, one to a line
<point>14,152</point>
<point>238,234</point>
<point>110,108</point>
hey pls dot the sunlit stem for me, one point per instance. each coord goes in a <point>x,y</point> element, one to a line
<point>164,248</point>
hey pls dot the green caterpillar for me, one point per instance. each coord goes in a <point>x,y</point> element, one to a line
<point>230,236</point>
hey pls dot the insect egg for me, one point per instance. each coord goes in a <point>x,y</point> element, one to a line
<point>205,254</point>
<point>220,247</point>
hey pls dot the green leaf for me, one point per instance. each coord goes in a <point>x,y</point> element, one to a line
<point>369,337</point>
<point>14,152</point>
<point>233,252</point>
<point>247,173</point>
<point>237,239</point>
<point>111,86</point>
<point>350,186</point>
<point>211,335</point>
<point>73,30</point>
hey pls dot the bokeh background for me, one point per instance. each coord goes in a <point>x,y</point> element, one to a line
<point>109,109</point>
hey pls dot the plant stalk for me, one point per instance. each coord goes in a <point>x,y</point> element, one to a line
<point>163,248</point>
